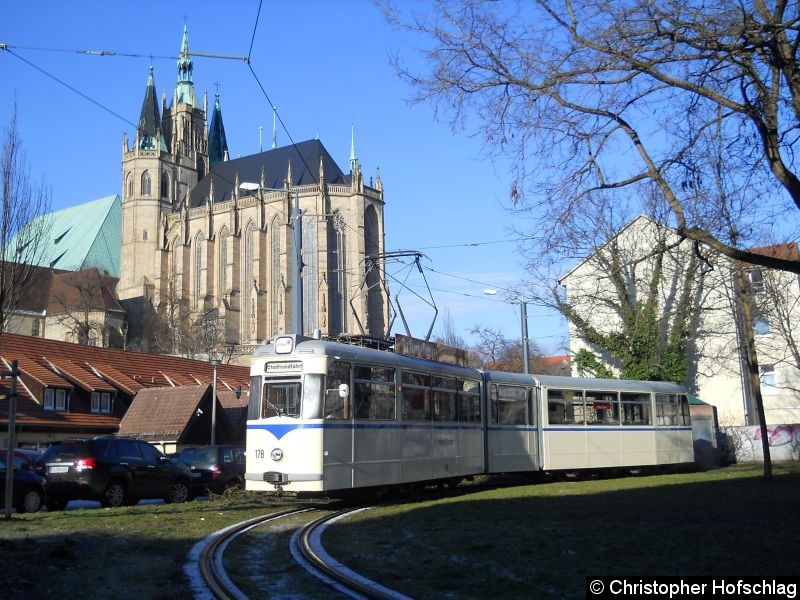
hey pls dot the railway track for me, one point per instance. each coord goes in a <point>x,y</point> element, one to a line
<point>309,545</point>
<point>214,583</point>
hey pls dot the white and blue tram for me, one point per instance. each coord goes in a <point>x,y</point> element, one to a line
<point>329,417</point>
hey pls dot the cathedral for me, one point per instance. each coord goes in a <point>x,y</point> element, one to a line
<point>275,242</point>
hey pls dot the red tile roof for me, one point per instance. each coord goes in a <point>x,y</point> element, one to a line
<point>50,363</point>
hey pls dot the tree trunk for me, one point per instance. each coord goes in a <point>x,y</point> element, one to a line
<point>751,359</point>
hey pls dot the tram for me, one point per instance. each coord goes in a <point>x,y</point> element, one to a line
<point>325,416</point>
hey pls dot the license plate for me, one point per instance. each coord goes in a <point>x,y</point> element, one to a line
<point>57,469</point>
<point>197,475</point>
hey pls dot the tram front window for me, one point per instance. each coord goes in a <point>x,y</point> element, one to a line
<point>281,399</point>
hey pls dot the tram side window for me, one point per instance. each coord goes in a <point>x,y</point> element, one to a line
<point>416,396</point>
<point>565,407</point>
<point>374,392</point>
<point>337,407</point>
<point>444,398</point>
<point>509,404</point>
<point>687,419</point>
<point>636,409</point>
<point>602,408</point>
<point>469,402</point>
<point>667,409</point>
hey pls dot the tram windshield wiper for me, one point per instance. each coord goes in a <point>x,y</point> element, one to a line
<point>278,411</point>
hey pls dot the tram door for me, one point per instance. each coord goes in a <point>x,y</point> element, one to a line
<point>511,433</point>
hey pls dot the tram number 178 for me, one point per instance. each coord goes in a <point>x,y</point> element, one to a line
<point>259,452</point>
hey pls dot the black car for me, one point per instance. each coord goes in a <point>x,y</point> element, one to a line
<point>112,470</point>
<point>28,491</point>
<point>214,468</point>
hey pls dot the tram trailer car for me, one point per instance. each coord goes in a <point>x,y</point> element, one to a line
<point>327,417</point>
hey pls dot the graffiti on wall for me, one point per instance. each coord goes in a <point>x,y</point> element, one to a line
<point>745,442</point>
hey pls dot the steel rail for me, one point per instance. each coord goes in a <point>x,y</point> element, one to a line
<point>349,579</point>
<point>210,558</point>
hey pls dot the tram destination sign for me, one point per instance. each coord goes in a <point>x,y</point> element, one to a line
<point>410,346</point>
<point>283,367</point>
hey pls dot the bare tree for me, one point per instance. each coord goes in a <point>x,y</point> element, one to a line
<point>174,328</point>
<point>593,95</point>
<point>80,303</point>
<point>24,229</point>
<point>449,336</point>
<point>496,352</point>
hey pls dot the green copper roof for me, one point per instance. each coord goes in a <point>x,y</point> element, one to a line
<point>85,236</point>
<point>184,89</point>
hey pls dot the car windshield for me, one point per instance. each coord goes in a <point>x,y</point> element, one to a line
<point>65,453</point>
<point>198,456</point>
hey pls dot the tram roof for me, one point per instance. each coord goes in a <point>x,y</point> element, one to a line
<point>588,383</point>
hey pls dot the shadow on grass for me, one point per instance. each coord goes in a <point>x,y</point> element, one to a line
<point>545,539</point>
<point>133,552</point>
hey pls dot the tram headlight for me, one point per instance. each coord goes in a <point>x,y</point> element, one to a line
<point>277,454</point>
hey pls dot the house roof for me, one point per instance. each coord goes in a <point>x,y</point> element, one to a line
<point>83,289</point>
<point>83,369</point>
<point>162,413</point>
<point>304,157</point>
<point>85,236</point>
<point>787,251</point>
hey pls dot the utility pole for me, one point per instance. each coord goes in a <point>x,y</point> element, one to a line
<point>12,417</point>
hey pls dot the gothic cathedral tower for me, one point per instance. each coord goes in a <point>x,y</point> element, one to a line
<point>213,238</point>
<point>168,157</point>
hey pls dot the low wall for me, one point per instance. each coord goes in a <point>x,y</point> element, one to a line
<point>743,444</point>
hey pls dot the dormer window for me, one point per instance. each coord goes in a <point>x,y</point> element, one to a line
<point>101,402</point>
<point>55,399</point>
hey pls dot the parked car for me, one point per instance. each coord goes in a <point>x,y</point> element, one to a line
<point>213,468</point>
<point>112,470</point>
<point>29,460</point>
<point>28,491</point>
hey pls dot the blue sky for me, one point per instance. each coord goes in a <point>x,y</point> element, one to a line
<point>325,66</point>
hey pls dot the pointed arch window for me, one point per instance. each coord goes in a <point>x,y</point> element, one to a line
<point>129,185</point>
<point>248,284</point>
<point>375,296</point>
<point>223,261</point>
<point>199,268</point>
<point>146,184</point>
<point>165,185</point>
<point>337,267</point>
<point>310,274</point>
<point>275,276</point>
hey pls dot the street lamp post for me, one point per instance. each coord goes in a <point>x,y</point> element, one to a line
<point>526,368</point>
<point>215,362</point>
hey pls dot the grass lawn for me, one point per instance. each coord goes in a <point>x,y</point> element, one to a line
<point>543,540</point>
<point>532,540</point>
<point>135,552</point>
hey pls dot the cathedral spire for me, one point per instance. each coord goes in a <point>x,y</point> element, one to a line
<point>184,89</point>
<point>274,128</point>
<point>149,129</point>
<point>217,143</point>
<point>353,159</point>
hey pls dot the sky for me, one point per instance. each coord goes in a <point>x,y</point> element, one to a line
<point>326,68</point>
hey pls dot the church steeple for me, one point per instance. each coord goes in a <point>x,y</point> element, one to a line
<point>217,143</point>
<point>353,159</point>
<point>184,89</point>
<point>148,133</point>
